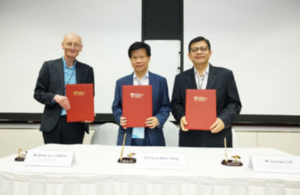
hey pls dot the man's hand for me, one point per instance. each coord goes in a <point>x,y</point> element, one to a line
<point>63,101</point>
<point>217,126</point>
<point>183,123</point>
<point>123,122</point>
<point>152,122</point>
<point>87,121</point>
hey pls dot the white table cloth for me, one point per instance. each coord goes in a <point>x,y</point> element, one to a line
<point>96,172</point>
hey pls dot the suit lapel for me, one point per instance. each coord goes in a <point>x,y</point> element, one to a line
<point>152,81</point>
<point>212,77</point>
<point>78,72</point>
<point>191,79</point>
<point>60,71</point>
<point>129,80</point>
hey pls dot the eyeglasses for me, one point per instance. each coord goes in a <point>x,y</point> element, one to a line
<point>70,45</point>
<point>196,49</point>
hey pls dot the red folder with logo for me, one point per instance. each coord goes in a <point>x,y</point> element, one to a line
<point>81,99</point>
<point>200,108</point>
<point>137,104</point>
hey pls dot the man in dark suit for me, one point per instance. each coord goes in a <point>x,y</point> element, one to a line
<point>205,76</point>
<point>50,90</point>
<point>139,54</point>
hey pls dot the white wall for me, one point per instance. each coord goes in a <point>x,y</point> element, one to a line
<point>32,32</point>
<point>259,41</point>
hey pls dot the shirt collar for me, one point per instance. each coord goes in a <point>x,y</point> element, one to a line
<point>146,76</point>
<point>65,64</point>
<point>205,72</point>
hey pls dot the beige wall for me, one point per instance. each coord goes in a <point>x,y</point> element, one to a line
<point>287,140</point>
<point>13,139</point>
<point>282,138</point>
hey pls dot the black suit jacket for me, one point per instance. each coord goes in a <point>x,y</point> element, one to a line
<point>51,82</point>
<point>228,106</point>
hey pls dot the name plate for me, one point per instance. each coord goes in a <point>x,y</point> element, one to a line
<point>49,158</point>
<point>276,164</point>
<point>160,161</point>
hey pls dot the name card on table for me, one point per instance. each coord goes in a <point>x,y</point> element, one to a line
<point>160,161</point>
<point>50,158</point>
<point>276,164</point>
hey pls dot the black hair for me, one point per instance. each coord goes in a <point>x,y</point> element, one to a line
<point>139,45</point>
<point>197,39</point>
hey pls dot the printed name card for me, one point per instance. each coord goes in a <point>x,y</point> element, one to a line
<point>160,161</point>
<point>49,158</point>
<point>276,164</point>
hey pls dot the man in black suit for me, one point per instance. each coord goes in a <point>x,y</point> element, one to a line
<point>50,90</point>
<point>205,76</point>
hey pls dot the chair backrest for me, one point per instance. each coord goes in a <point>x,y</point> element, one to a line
<point>234,139</point>
<point>106,134</point>
<point>171,133</point>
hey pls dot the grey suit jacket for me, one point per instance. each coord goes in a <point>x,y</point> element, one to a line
<point>51,82</point>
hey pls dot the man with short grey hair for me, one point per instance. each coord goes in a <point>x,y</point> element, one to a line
<point>50,90</point>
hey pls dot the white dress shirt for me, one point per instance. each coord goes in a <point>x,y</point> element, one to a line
<point>201,80</point>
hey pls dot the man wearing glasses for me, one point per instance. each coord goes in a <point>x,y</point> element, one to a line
<point>50,91</point>
<point>205,76</point>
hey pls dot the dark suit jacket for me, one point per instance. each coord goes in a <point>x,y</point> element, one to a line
<point>51,82</point>
<point>161,108</point>
<point>228,106</point>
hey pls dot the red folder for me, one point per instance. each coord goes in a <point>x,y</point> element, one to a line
<point>200,109</point>
<point>81,99</point>
<point>137,104</point>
